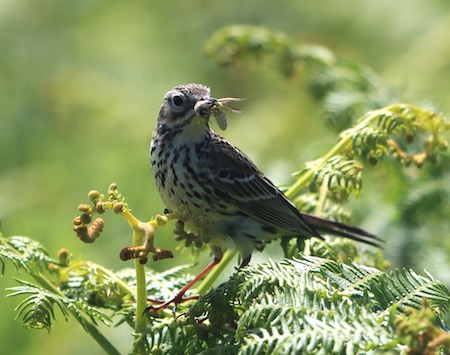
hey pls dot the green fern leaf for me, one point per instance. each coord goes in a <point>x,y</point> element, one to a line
<point>406,288</point>
<point>37,310</point>
<point>24,253</point>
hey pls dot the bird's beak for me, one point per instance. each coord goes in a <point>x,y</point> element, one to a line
<point>208,105</point>
<point>205,106</point>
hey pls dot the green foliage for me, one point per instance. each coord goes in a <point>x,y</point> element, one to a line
<point>345,88</point>
<point>323,298</point>
<point>307,304</point>
<point>24,253</point>
<point>347,91</point>
<point>37,310</point>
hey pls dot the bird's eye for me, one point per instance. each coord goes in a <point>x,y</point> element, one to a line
<point>177,100</point>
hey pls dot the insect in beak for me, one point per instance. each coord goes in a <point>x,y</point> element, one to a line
<point>215,107</point>
<point>218,110</point>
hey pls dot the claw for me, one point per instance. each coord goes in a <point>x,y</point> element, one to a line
<point>164,304</point>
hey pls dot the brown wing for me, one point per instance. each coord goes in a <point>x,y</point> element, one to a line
<point>238,181</point>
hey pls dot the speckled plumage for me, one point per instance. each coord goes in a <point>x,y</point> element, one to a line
<point>196,168</point>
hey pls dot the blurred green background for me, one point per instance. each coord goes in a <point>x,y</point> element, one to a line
<point>80,87</point>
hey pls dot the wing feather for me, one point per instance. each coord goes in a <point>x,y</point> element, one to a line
<point>240,182</point>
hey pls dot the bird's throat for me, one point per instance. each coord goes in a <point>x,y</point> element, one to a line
<point>196,129</point>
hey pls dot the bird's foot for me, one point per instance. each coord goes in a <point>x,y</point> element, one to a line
<point>177,299</point>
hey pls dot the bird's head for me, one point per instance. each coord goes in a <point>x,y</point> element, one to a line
<point>181,106</point>
<point>190,106</point>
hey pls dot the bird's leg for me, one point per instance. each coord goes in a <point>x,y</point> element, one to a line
<point>178,298</point>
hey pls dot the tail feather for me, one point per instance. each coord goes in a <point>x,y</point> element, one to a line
<point>342,230</point>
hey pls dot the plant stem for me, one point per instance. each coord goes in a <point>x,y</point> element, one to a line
<point>304,179</point>
<point>141,292</point>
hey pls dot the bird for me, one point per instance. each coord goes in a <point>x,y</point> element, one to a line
<point>224,197</point>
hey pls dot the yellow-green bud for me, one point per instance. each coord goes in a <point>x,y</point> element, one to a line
<point>53,268</point>
<point>100,207</point>
<point>118,207</point>
<point>93,195</point>
<point>427,143</point>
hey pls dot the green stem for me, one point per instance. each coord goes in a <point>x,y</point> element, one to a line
<point>141,291</point>
<point>304,179</point>
<point>323,191</point>
<point>141,296</point>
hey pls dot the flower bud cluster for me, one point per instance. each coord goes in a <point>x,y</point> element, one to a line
<point>87,229</point>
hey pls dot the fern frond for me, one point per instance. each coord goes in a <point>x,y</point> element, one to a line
<point>345,329</point>
<point>314,305</point>
<point>95,285</point>
<point>347,89</point>
<point>407,289</point>
<point>400,287</point>
<point>37,311</point>
<point>24,253</point>
<point>269,276</point>
<point>341,176</point>
<point>80,310</point>
<point>161,332</point>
